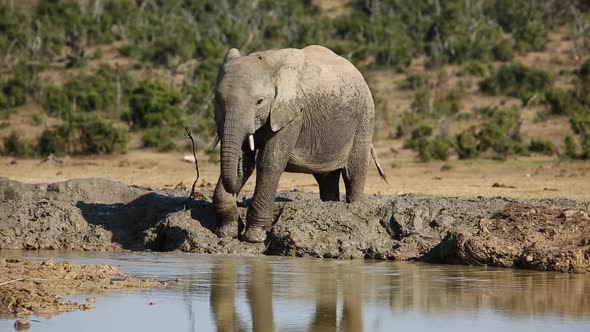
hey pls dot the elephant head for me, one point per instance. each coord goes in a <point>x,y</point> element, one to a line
<point>252,90</point>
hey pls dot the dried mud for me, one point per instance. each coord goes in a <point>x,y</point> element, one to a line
<point>99,214</point>
<point>28,287</point>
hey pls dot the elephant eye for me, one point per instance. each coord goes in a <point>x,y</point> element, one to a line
<point>259,101</point>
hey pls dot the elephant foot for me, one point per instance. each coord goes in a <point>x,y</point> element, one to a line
<point>227,222</point>
<point>255,234</point>
<point>229,230</point>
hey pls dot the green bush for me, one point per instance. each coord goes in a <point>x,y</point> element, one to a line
<point>562,102</point>
<point>475,68</point>
<point>153,105</point>
<point>96,92</point>
<point>580,123</point>
<point>466,144</point>
<point>503,51</point>
<point>407,122</point>
<point>429,149</point>
<point>517,80</point>
<point>500,132</point>
<point>84,134</point>
<point>425,105</point>
<point>541,146</point>
<point>418,133</point>
<point>55,101</point>
<point>528,22</point>
<point>162,139</point>
<point>16,146</point>
<point>450,105</point>
<point>15,90</point>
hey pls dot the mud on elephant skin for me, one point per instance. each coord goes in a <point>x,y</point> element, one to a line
<point>296,110</point>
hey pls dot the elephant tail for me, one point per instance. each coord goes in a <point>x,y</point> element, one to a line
<point>379,169</point>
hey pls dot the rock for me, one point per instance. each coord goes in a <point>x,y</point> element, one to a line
<point>22,325</point>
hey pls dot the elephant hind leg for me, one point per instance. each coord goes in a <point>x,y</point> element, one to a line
<point>355,172</point>
<point>329,185</point>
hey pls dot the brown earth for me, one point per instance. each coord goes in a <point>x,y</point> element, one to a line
<point>531,177</point>
<point>28,287</point>
<point>99,214</point>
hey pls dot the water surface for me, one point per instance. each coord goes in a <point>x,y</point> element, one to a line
<point>221,293</point>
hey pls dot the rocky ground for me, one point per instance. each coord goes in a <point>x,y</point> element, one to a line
<point>38,287</point>
<point>98,214</point>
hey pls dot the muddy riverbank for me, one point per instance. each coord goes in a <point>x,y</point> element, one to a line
<point>38,288</point>
<point>104,215</point>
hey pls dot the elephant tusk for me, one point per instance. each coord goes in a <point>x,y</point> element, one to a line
<point>251,142</point>
<point>215,142</point>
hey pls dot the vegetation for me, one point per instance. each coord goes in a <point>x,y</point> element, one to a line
<point>165,36</point>
<point>83,134</point>
<point>541,146</point>
<point>517,80</point>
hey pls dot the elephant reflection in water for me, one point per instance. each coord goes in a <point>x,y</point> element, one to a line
<point>259,295</point>
<point>326,290</point>
<point>326,282</point>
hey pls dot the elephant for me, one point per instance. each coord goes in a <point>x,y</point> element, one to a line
<point>289,110</point>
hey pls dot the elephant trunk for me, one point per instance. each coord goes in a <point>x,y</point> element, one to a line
<point>232,156</point>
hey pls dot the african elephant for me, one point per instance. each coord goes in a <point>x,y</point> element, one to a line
<point>295,110</point>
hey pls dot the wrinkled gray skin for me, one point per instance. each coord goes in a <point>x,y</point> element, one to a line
<point>310,111</point>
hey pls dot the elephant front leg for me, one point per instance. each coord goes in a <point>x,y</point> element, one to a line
<point>226,212</point>
<point>224,203</point>
<point>270,164</point>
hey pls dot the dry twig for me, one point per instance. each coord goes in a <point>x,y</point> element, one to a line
<point>11,281</point>
<point>190,136</point>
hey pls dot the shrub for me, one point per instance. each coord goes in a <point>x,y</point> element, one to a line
<point>580,123</point>
<point>562,102</point>
<point>437,148</point>
<point>84,134</point>
<point>474,68</point>
<point>425,104</point>
<point>500,132</point>
<point>407,121</point>
<point>16,146</point>
<point>450,105</point>
<point>54,101</point>
<point>503,51</point>
<point>466,144</point>
<point>418,133</point>
<point>97,135</point>
<point>516,80</point>
<point>154,105</point>
<point>541,146</point>
<point>97,92</point>
<point>162,139</point>
<point>23,82</point>
<point>56,141</point>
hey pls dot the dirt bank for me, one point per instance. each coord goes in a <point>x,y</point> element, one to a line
<point>38,287</point>
<point>99,214</point>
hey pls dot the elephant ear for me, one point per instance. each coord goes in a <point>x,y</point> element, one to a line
<point>232,54</point>
<point>295,77</point>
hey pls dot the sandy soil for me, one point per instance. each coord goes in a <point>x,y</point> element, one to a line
<point>530,177</point>
<point>28,287</point>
